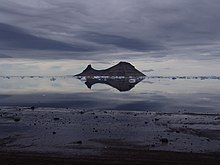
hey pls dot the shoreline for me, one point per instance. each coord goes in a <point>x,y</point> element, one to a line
<point>125,156</point>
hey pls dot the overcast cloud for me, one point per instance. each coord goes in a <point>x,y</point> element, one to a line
<point>154,28</point>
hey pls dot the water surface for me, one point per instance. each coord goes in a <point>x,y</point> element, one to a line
<point>150,94</point>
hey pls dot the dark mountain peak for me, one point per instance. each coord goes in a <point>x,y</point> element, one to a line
<point>123,63</point>
<point>89,67</point>
<point>124,69</point>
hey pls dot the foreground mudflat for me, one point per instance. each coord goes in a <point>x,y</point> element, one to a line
<point>55,135</point>
<point>114,156</point>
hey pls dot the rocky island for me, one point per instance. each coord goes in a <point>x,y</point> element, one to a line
<point>122,76</point>
<point>122,69</point>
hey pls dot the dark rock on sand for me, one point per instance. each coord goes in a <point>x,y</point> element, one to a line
<point>156,119</point>
<point>76,142</point>
<point>17,119</point>
<point>56,118</point>
<point>164,140</point>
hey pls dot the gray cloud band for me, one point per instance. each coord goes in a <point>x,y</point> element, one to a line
<point>103,26</point>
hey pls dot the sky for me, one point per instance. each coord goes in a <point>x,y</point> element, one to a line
<point>149,33</point>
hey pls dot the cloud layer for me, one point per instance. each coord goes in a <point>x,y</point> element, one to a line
<point>157,27</point>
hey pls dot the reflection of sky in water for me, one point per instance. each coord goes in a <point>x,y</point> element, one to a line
<point>150,94</point>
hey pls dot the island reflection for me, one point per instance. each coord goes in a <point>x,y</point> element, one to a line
<point>121,84</point>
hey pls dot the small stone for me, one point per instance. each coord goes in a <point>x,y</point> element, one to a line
<point>17,119</point>
<point>79,142</point>
<point>56,118</point>
<point>32,108</point>
<point>54,133</point>
<point>164,140</point>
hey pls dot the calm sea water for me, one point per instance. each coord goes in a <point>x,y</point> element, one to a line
<point>151,94</point>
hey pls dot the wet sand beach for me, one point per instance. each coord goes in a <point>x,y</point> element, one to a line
<point>55,135</point>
